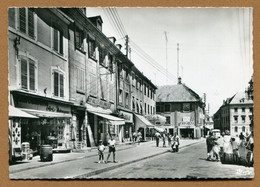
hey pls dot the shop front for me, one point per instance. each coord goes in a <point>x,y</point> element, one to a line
<point>127,132</point>
<point>143,125</point>
<point>53,125</point>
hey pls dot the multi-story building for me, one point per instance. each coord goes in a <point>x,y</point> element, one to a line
<point>183,109</point>
<point>74,81</point>
<point>235,114</point>
<point>39,77</point>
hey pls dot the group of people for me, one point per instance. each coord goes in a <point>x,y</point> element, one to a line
<point>226,146</point>
<point>111,147</point>
<point>137,137</point>
<point>173,141</point>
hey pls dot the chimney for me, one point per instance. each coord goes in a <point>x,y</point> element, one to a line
<point>179,80</point>
<point>112,39</point>
<point>119,46</point>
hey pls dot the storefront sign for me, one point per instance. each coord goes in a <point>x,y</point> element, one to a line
<point>97,102</point>
<point>56,108</point>
<point>128,117</point>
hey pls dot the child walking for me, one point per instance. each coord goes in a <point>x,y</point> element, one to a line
<point>101,149</point>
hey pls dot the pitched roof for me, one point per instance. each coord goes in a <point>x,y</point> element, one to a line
<point>176,93</point>
<point>241,98</point>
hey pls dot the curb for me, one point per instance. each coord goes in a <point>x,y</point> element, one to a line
<point>84,176</point>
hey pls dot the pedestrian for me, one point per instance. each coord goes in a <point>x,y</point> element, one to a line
<point>134,137</point>
<point>157,137</point>
<point>101,149</point>
<point>112,148</point>
<point>215,149</point>
<point>175,142</point>
<point>209,145</point>
<point>220,143</point>
<point>236,154</point>
<point>139,137</point>
<point>163,138</point>
<point>169,139</point>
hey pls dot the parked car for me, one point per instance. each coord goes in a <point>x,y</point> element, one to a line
<point>216,132</point>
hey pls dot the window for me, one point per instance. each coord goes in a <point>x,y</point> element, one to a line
<point>144,89</point>
<point>141,108</point>
<point>133,104</point>
<point>58,82</point>
<point>120,69</point>
<point>236,128</point>
<point>137,82</point>
<point>145,108</point>
<point>158,108</point>
<point>126,100</point>
<point>57,41</point>
<point>91,48</point>
<point>243,119</point>
<point>235,109</point>
<point>148,109</point>
<point>167,107</point>
<point>186,107</point>
<point>153,110</point>
<point>244,129</point>
<point>137,107</point>
<point>120,97</point>
<point>79,38</point>
<point>243,109</point>
<point>93,84</point>
<point>168,120</point>
<point>28,74</point>
<point>140,86</point>
<point>133,79</point>
<point>26,22</point>
<point>102,56</point>
<point>251,109</point>
<point>110,62</point>
<point>80,79</point>
<point>235,119</point>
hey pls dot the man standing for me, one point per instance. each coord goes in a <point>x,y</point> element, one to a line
<point>157,137</point>
<point>112,148</point>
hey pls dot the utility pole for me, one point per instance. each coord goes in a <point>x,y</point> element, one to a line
<point>178,60</point>
<point>126,44</point>
<point>166,57</point>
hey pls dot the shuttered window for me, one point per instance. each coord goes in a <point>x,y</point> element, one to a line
<point>32,74</point>
<point>28,74</point>
<point>57,41</point>
<point>30,23</point>
<point>22,19</point>
<point>58,82</point>
<point>79,38</point>
<point>24,74</point>
<point>93,85</point>
<point>26,22</point>
<point>80,79</point>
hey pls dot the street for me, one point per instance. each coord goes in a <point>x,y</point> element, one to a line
<point>135,161</point>
<point>190,162</point>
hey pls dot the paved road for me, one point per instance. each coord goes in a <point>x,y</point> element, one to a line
<point>87,165</point>
<point>189,162</point>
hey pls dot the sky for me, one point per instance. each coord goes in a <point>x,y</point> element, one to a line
<point>215,46</point>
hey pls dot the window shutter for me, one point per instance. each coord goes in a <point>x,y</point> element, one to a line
<point>22,19</point>
<point>24,73</point>
<point>31,74</point>
<point>55,40</point>
<point>56,84</point>
<point>61,43</point>
<point>61,85</point>
<point>30,23</point>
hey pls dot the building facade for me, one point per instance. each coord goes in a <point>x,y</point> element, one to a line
<point>183,109</point>
<point>235,115</point>
<point>39,78</point>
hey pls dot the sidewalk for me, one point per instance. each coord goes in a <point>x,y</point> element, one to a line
<point>125,154</point>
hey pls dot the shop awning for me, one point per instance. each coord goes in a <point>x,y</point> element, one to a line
<point>46,114</point>
<point>159,129</point>
<point>114,120</point>
<point>15,112</point>
<point>143,122</point>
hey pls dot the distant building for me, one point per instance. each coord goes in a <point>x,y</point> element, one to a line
<point>183,109</point>
<point>235,114</point>
<point>209,124</point>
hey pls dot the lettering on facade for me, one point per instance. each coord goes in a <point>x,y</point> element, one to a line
<point>97,102</point>
<point>127,116</point>
<point>55,109</point>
